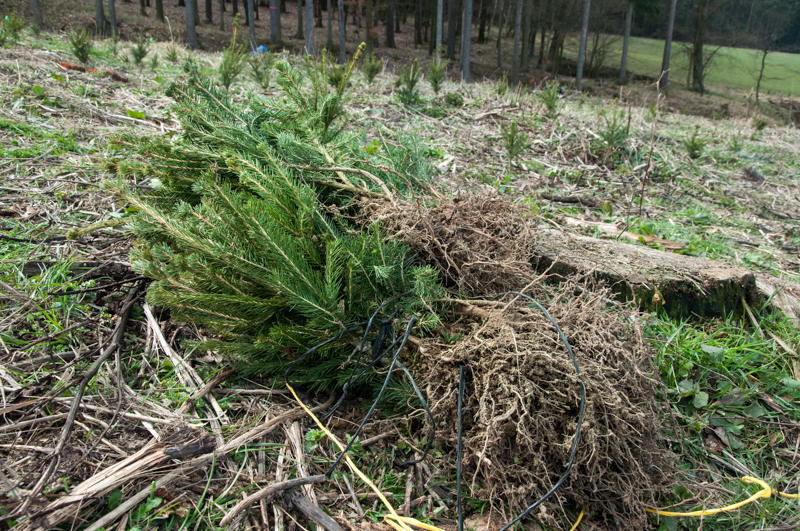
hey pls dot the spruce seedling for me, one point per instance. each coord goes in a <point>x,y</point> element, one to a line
<point>234,59</point>
<point>154,62</point>
<point>409,77</point>
<point>261,68</point>
<point>139,52</point>
<point>514,140</point>
<point>372,67</point>
<point>436,71</point>
<point>172,54</point>
<point>81,45</point>
<point>13,26</point>
<point>614,134</point>
<point>549,98</point>
<point>502,85</point>
<point>695,145</point>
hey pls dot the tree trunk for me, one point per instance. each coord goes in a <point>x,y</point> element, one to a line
<point>342,41</point>
<point>527,18</point>
<point>500,35</point>
<point>318,13</point>
<point>100,18</point>
<point>587,4</point>
<point>234,8</point>
<point>662,82</point>
<point>368,26</point>
<point>310,27</point>
<point>466,40</point>
<point>623,68</point>
<point>451,29</point>
<point>209,12</point>
<point>37,13</point>
<point>540,60</point>
<point>251,22</point>
<point>221,14</point>
<point>112,16</point>
<point>329,41</point>
<point>160,11</point>
<point>191,31</point>
<point>439,22</point>
<point>482,22</point>
<point>697,48</point>
<point>517,42</point>
<point>142,10</point>
<point>764,53</point>
<point>300,33</point>
<point>390,14</point>
<point>274,22</point>
<point>417,23</point>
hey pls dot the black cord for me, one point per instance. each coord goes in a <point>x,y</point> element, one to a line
<point>574,441</point>
<point>458,450</point>
<point>396,346</point>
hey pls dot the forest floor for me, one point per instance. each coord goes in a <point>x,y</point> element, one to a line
<point>725,188</point>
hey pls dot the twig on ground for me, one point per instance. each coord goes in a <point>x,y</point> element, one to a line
<point>266,493</point>
<point>311,510</point>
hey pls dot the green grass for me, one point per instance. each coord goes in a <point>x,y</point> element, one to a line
<point>735,67</point>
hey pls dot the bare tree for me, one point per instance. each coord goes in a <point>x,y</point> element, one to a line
<point>310,27</point>
<point>209,12</point>
<point>466,40</point>
<point>274,21</point>
<point>451,29</point>
<point>251,23</point>
<point>160,11</point>
<point>191,30</point>
<point>662,82</point>
<point>329,42</point>
<point>221,15</point>
<point>587,5</point>
<point>300,34</point>
<point>342,42</point>
<point>623,68</point>
<point>439,15</point>
<point>368,26</point>
<point>390,23</point>
<point>100,22</point>
<point>697,48</point>
<point>517,39</point>
<point>500,34</point>
<point>142,10</point>
<point>112,17</point>
<point>37,14</point>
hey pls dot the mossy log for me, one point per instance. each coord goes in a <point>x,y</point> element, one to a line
<point>685,286</point>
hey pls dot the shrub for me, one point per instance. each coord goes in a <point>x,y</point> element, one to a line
<point>261,68</point>
<point>502,85</point>
<point>409,77</point>
<point>436,71</point>
<point>695,145</point>
<point>514,140</point>
<point>139,52</point>
<point>81,45</point>
<point>760,123</point>
<point>233,62</point>
<point>13,26</point>
<point>372,67</point>
<point>549,97</point>
<point>454,99</point>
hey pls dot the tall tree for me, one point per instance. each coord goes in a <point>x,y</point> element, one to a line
<point>451,29</point>
<point>160,11</point>
<point>466,40</point>
<point>697,48</point>
<point>517,42</point>
<point>209,12</point>
<point>221,14</point>
<point>662,81</point>
<point>390,14</point>
<point>368,26</point>
<point>439,21</point>
<point>300,33</point>
<point>310,27</point>
<point>342,42</point>
<point>500,34</point>
<point>100,18</point>
<point>112,17</point>
<point>626,40</point>
<point>274,22</point>
<point>191,31</point>
<point>587,5</point>
<point>37,13</point>
<point>251,23</point>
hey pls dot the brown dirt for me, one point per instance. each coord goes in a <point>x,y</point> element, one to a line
<point>521,404</point>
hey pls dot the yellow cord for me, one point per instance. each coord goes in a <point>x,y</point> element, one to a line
<point>400,523</point>
<point>578,521</point>
<point>765,492</point>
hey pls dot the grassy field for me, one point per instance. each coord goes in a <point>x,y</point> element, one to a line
<point>735,67</point>
<point>728,387</point>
